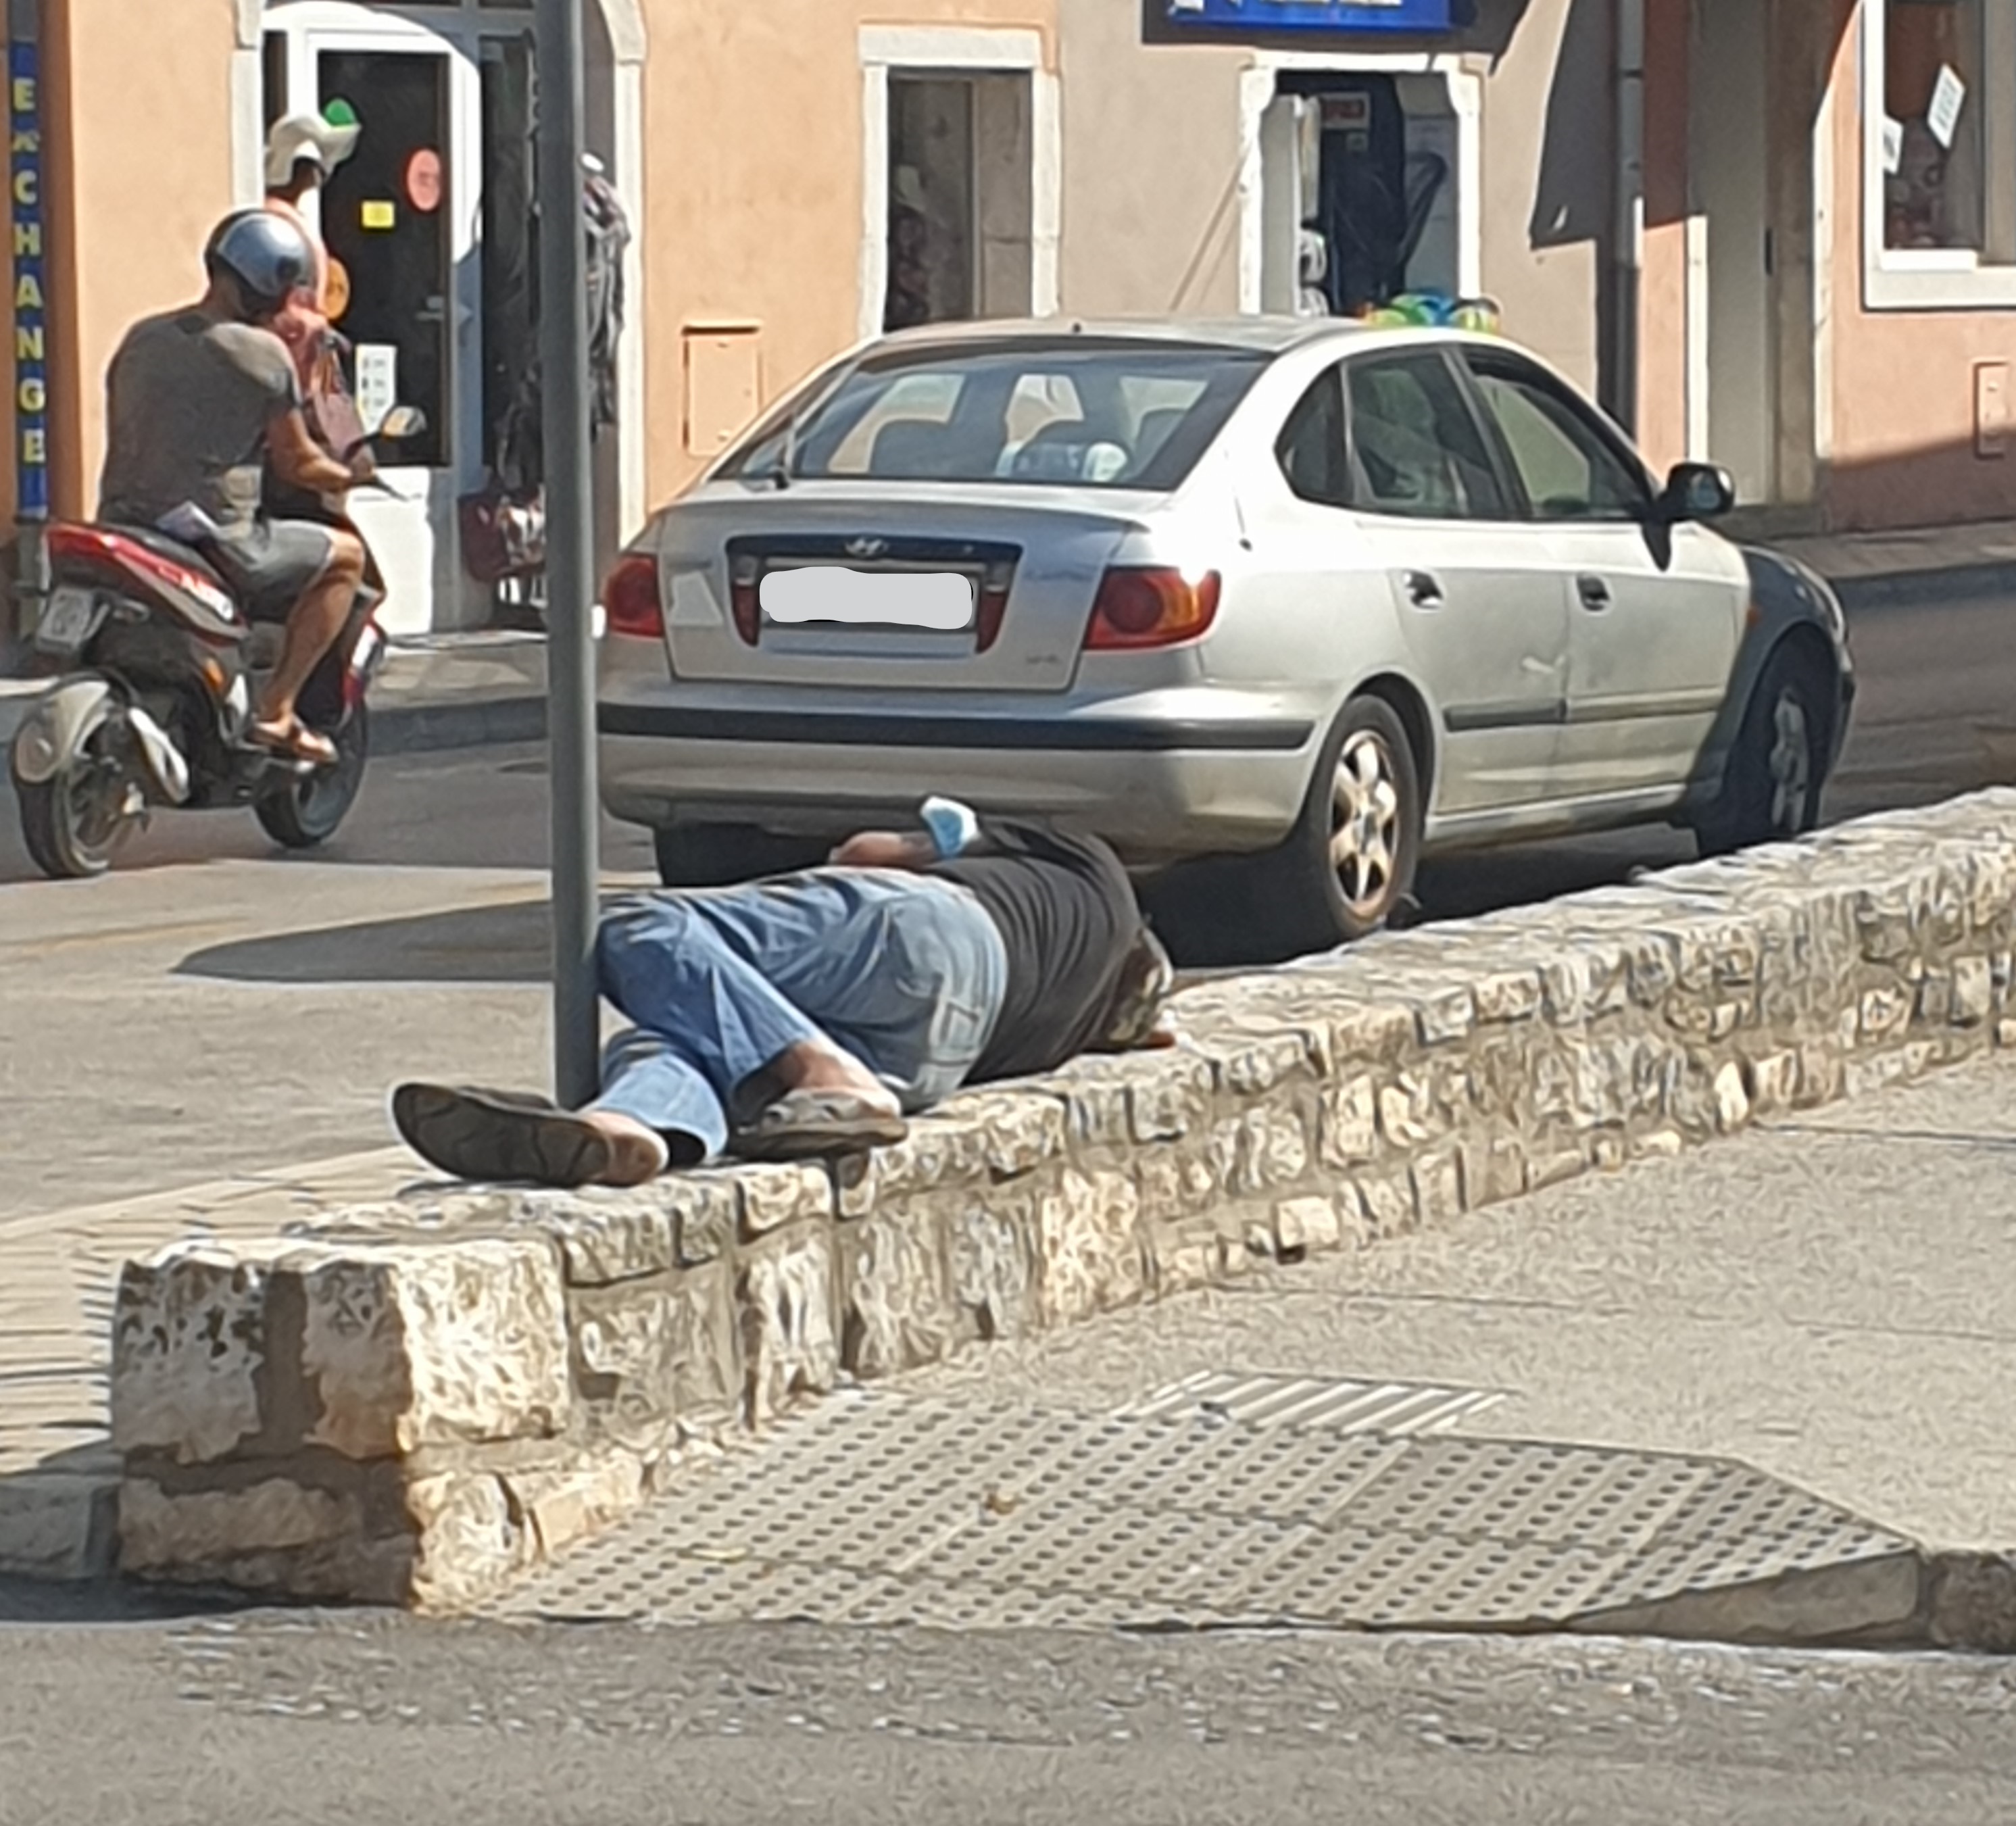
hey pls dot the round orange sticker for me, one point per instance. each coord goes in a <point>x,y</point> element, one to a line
<point>423,180</point>
<point>336,299</point>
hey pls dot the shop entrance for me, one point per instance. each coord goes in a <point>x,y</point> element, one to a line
<point>432,225</point>
<point>1358,177</point>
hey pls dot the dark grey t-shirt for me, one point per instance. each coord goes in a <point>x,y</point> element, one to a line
<point>190,403</point>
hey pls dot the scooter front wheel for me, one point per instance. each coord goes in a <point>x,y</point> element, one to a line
<point>74,821</point>
<point>305,812</point>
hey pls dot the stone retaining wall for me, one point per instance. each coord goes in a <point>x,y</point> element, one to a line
<point>415,1403</point>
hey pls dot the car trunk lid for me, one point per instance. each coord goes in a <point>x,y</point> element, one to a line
<point>958,588</point>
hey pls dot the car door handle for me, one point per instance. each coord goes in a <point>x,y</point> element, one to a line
<point>1424,591</point>
<point>1595,593</point>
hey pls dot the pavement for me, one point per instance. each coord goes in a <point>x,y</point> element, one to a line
<point>252,1719</point>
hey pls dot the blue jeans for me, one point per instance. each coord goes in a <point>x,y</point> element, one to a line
<point>905,972</point>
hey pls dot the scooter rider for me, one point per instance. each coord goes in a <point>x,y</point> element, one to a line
<point>202,400</point>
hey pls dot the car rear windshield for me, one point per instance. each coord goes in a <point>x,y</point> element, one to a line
<point>1076,413</point>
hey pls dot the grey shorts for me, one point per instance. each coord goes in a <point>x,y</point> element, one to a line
<point>272,563</point>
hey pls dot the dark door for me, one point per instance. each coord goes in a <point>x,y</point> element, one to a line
<point>386,217</point>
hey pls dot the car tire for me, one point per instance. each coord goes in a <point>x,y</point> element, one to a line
<point>1349,864</point>
<point>1777,764</point>
<point>720,855</point>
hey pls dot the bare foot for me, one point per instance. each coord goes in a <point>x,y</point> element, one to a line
<point>810,1067</point>
<point>637,1155</point>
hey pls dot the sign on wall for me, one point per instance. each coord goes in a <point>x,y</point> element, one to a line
<point>1320,16</point>
<point>31,383</point>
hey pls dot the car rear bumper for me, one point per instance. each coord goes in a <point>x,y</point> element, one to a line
<point>1159,787</point>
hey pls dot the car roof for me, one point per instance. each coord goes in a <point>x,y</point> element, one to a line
<point>1263,335</point>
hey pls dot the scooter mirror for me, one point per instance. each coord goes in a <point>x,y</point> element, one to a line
<point>403,422</point>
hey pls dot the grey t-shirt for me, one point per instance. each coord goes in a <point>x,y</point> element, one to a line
<point>190,402</point>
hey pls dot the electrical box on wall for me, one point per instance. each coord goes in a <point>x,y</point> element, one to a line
<point>1991,409</point>
<point>724,383</point>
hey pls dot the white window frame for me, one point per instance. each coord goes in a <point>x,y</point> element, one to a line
<point>1928,279</point>
<point>1258,86</point>
<point>968,51</point>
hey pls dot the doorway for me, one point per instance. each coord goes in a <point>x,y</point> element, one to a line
<point>961,201</point>
<point>1733,376</point>
<point>401,218</point>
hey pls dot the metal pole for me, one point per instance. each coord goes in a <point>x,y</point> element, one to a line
<point>564,359</point>
<point>30,273</point>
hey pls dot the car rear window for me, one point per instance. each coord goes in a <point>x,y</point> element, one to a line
<point>1070,412</point>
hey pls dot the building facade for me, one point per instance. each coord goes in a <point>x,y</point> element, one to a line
<point>1780,233</point>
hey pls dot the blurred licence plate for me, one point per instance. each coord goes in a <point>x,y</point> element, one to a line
<point>940,600</point>
<point>68,622</point>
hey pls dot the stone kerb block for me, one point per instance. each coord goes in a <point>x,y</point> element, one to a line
<point>420,1400</point>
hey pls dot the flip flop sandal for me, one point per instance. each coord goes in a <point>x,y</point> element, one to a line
<point>814,1125</point>
<point>489,1135</point>
<point>298,742</point>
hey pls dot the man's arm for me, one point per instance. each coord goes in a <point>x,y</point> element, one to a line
<point>950,830</point>
<point>300,461</point>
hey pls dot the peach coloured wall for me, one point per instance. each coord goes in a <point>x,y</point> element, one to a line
<point>1903,381</point>
<point>140,139</point>
<point>753,134</point>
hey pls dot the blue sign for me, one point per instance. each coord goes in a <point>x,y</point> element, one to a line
<point>31,362</point>
<point>1318,16</point>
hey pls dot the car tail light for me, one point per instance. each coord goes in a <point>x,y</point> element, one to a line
<point>992,605</point>
<point>631,600</point>
<point>1146,606</point>
<point>743,599</point>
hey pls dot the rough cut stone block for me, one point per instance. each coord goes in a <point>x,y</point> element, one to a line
<point>659,1360</point>
<point>1388,1201</point>
<point>605,1237</point>
<point>1089,1247</point>
<point>1176,1179</point>
<point>1349,1127</point>
<point>561,1506</point>
<point>404,1347</point>
<point>1774,1083</point>
<point>1308,1225</point>
<point>1508,996</point>
<point>1250,1064</point>
<point>1732,1099</point>
<point>1494,1169</point>
<point>188,1340</point>
<point>1167,1096</point>
<point>790,1345</point>
<point>773,1196</point>
<point>991,1265</point>
<point>896,1309</point>
<point>1438,1186</point>
<point>1973,991</point>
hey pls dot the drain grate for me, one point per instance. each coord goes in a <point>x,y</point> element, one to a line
<point>1399,1408</point>
<point>880,1509</point>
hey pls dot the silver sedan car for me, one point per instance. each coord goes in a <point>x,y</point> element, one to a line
<point>1313,599</point>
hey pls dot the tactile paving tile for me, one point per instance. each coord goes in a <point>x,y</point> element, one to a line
<point>880,1509</point>
<point>1270,1400</point>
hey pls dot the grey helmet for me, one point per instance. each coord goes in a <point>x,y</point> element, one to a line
<point>263,254</point>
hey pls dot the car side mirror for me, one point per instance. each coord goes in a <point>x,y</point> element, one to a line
<point>1696,491</point>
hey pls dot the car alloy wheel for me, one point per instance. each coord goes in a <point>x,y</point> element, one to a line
<point>1791,763</point>
<point>1364,823</point>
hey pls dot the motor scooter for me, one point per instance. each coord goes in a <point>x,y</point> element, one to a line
<point>157,666</point>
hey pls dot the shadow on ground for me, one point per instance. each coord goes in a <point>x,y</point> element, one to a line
<point>509,944</point>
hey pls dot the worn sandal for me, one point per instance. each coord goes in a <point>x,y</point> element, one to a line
<point>812,1124</point>
<point>493,1134</point>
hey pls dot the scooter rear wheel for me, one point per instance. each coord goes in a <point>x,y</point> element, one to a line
<point>73,822</point>
<point>305,812</point>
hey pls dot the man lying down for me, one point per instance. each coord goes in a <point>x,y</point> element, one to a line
<point>809,1015</point>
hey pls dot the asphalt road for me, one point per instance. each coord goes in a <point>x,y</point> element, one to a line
<point>263,1718</point>
<point>213,1006</point>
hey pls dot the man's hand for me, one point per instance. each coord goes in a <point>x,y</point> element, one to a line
<point>302,462</point>
<point>885,849</point>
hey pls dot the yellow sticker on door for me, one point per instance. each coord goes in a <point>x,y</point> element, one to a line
<point>380,215</point>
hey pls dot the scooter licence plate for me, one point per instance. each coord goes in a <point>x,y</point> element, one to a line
<point>70,620</point>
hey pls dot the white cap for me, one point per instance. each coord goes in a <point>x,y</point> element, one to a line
<point>322,143</point>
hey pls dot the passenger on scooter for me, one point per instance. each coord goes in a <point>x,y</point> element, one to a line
<point>201,400</point>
